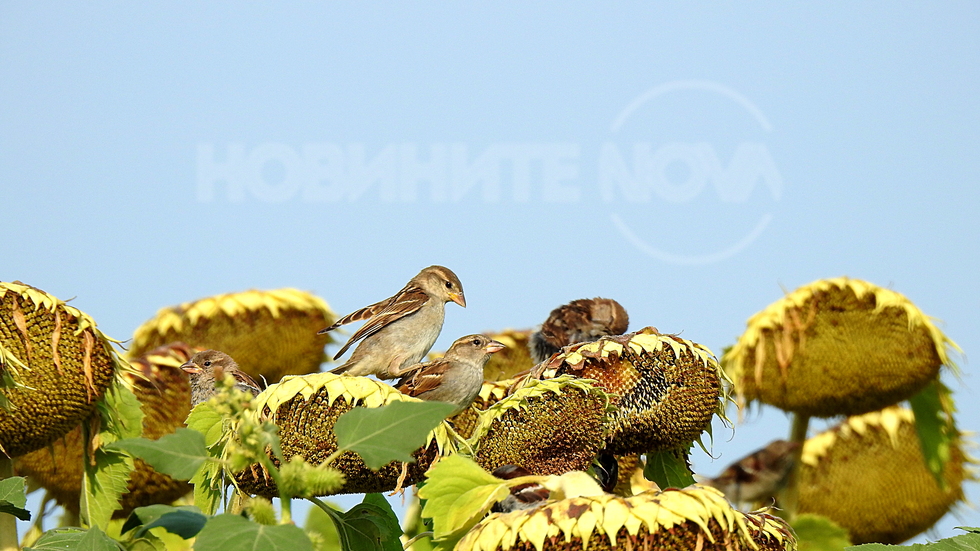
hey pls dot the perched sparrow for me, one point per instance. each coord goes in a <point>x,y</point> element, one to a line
<point>456,377</point>
<point>207,366</point>
<point>758,476</point>
<point>581,320</point>
<point>522,497</point>
<point>400,330</point>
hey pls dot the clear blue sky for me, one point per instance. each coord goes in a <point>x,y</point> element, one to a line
<point>690,161</point>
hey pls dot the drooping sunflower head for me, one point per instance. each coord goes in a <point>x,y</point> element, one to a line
<point>54,365</point>
<point>868,474</point>
<point>269,333</point>
<point>666,388</point>
<point>546,427</point>
<point>837,347</point>
<point>306,408</point>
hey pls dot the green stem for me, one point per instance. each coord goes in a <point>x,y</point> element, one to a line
<point>287,510</point>
<point>791,493</point>
<point>326,508</point>
<point>411,542</point>
<point>8,523</point>
<point>284,500</point>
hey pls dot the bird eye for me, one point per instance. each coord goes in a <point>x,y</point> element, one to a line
<point>476,342</point>
<point>449,285</point>
<point>207,363</point>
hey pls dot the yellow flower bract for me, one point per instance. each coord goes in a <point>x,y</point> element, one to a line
<point>579,518</point>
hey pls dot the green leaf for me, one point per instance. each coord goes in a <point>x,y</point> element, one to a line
<point>934,425</point>
<point>458,494</point>
<point>207,421</point>
<point>357,531</point>
<point>14,491</point>
<point>13,497</point>
<point>387,521</point>
<point>209,480</point>
<point>669,469</point>
<point>76,539</point>
<point>179,455</point>
<point>105,474</point>
<point>184,521</point>
<point>389,433</point>
<point>230,532</point>
<point>818,533</point>
<point>962,542</point>
<point>103,485</point>
<point>121,414</point>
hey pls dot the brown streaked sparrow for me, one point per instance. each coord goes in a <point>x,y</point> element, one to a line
<point>209,365</point>
<point>758,476</point>
<point>521,497</point>
<point>581,320</point>
<point>400,330</point>
<point>456,377</point>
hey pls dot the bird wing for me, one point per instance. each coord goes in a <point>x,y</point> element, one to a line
<point>427,376</point>
<point>359,315</point>
<point>244,379</point>
<point>408,301</point>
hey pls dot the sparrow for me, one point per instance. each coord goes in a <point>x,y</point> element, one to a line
<point>400,330</point>
<point>758,476</point>
<point>456,377</point>
<point>582,320</point>
<point>521,497</point>
<point>209,365</point>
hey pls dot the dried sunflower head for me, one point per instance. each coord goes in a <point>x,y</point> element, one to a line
<point>546,427</point>
<point>269,333</point>
<point>54,365</point>
<point>305,408</point>
<point>869,476</point>
<point>666,388</point>
<point>837,347</point>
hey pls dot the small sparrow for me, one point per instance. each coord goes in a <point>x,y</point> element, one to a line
<point>209,365</point>
<point>400,330</point>
<point>456,377</point>
<point>758,476</point>
<point>581,320</point>
<point>522,497</point>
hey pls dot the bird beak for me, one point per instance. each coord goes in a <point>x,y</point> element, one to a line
<point>458,298</point>
<point>493,346</point>
<point>191,367</point>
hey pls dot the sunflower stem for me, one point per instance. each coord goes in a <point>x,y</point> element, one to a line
<point>8,522</point>
<point>791,493</point>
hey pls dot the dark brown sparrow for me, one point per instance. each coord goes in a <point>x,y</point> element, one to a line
<point>209,365</point>
<point>581,320</point>
<point>522,497</point>
<point>456,377</point>
<point>759,476</point>
<point>400,330</point>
